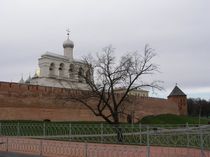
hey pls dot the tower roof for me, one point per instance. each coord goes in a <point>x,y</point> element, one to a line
<point>68,42</point>
<point>177,92</point>
<point>28,79</point>
<point>22,80</point>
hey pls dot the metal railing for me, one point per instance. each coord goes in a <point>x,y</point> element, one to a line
<point>149,140</point>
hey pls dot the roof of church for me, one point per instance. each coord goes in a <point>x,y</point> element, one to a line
<point>177,92</point>
<point>22,80</point>
<point>50,54</point>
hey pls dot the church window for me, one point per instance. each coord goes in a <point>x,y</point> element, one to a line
<point>80,74</point>
<point>88,78</point>
<point>52,69</point>
<point>61,70</point>
<point>71,71</point>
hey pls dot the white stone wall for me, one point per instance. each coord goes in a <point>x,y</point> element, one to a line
<point>60,83</point>
<point>68,52</point>
<point>57,68</point>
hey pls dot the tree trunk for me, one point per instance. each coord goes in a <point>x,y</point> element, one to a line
<point>117,127</point>
<point>119,133</point>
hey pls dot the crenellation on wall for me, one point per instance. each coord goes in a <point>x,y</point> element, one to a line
<point>47,102</point>
<point>21,87</point>
<point>35,90</point>
<point>4,86</point>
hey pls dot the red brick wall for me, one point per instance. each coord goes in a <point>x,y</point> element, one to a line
<point>181,101</point>
<point>31,102</point>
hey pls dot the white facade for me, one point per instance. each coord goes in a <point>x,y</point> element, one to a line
<point>62,70</point>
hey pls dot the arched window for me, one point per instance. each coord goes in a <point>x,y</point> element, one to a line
<point>61,70</point>
<point>88,74</point>
<point>71,71</point>
<point>80,74</point>
<point>52,70</point>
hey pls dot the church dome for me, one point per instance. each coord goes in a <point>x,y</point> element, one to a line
<point>68,43</point>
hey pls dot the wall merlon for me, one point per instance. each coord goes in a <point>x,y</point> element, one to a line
<point>24,101</point>
<point>35,90</point>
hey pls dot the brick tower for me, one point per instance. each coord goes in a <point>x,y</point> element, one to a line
<point>179,97</point>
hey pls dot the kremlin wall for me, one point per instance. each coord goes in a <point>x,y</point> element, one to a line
<point>33,102</point>
<point>43,97</point>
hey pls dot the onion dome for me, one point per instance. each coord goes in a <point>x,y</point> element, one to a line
<point>68,43</point>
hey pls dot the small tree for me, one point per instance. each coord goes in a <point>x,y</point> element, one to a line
<point>110,75</point>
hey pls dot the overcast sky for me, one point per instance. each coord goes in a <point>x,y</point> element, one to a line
<point>178,30</point>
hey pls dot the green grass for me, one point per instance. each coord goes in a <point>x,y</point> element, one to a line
<point>173,119</point>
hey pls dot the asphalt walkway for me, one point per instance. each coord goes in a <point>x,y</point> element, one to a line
<point>6,154</point>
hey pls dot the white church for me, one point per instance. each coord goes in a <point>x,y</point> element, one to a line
<point>62,70</point>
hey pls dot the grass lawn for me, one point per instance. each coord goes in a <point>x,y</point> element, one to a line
<point>173,119</point>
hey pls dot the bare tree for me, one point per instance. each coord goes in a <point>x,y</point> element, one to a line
<point>109,76</point>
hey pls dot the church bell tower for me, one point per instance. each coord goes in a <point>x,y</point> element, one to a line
<point>68,46</point>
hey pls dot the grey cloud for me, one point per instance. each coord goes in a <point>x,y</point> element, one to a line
<point>177,30</point>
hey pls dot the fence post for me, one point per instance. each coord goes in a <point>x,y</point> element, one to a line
<point>18,129</point>
<point>85,151</point>
<point>69,131</point>
<point>0,129</point>
<point>148,144</point>
<point>40,147</point>
<point>132,127</point>
<point>187,132</point>
<point>7,148</point>
<point>44,129</point>
<point>102,127</point>
<point>201,142</point>
<point>188,138</point>
<point>140,137</point>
